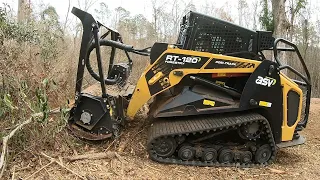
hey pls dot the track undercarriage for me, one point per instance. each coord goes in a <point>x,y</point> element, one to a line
<point>230,140</point>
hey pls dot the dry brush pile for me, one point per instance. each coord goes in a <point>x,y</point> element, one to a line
<point>38,62</point>
<point>35,75</point>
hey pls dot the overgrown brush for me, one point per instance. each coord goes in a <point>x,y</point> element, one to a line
<point>34,77</point>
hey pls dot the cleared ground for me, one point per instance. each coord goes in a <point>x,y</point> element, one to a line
<point>300,162</point>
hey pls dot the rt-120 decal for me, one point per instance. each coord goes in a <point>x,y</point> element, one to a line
<point>176,59</point>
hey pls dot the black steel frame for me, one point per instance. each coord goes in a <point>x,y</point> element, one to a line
<point>90,35</point>
<point>307,80</point>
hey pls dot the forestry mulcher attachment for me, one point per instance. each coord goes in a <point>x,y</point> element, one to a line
<point>215,100</point>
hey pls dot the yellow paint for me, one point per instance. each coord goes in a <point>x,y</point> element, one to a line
<point>111,112</point>
<point>221,83</point>
<point>155,78</point>
<point>208,102</point>
<point>265,104</point>
<point>288,84</point>
<point>221,74</point>
<point>142,94</point>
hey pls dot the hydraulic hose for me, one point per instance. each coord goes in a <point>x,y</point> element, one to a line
<point>115,44</point>
<point>104,42</point>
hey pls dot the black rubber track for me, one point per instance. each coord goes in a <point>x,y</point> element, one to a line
<point>199,124</point>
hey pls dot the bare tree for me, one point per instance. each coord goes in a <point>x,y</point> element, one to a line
<point>120,15</point>
<point>208,8</point>
<point>157,8</point>
<point>294,8</point>
<point>254,7</point>
<point>103,13</point>
<point>24,10</point>
<point>86,4</point>
<point>242,7</point>
<point>176,15</point>
<point>67,16</point>
<point>281,24</point>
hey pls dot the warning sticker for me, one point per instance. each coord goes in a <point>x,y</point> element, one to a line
<point>265,104</point>
<point>208,102</point>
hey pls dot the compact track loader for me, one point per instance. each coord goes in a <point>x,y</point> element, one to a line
<point>215,100</point>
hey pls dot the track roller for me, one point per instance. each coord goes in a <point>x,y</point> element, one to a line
<point>209,155</point>
<point>226,156</point>
<point>191,143</point>
<point>263,154</point>
<point>246,157</point>
<point>165,147</point>
<point>186,152</point>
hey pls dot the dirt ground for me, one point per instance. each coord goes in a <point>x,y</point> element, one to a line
<point>300,162</point>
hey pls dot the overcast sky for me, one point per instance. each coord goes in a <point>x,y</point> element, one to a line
<point>143,6</point>
<point>134,6</point>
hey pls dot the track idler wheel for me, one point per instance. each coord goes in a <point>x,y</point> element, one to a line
<point>165,147</point>
<point>263,154</point>
<point>226,156</point>
<point>209,155</point>
<point>186,152</point>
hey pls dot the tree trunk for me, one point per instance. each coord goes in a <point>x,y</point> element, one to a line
<point>281,24</point>
<point>21,10</point>
<point>305,37</point>
<point>255,7</point>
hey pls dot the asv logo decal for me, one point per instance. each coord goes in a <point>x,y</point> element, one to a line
<point>266,81</point>
<point>171,59</point>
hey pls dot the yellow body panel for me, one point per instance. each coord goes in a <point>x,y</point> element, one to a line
<point>142,94</point>
<point>140,97</point>
<point>288,84</point>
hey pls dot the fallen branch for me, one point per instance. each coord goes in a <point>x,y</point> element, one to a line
<point>39,170</point>
<point>6,139</point>
<point>152,167</point>
<point>111,144</point>
<point>278,171</point>
<point>103,155</point>
<point>13,173</point>
<point>129,140</point>
<point>60,164</point>
<point>23,168</point>
<point>123,145</point>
